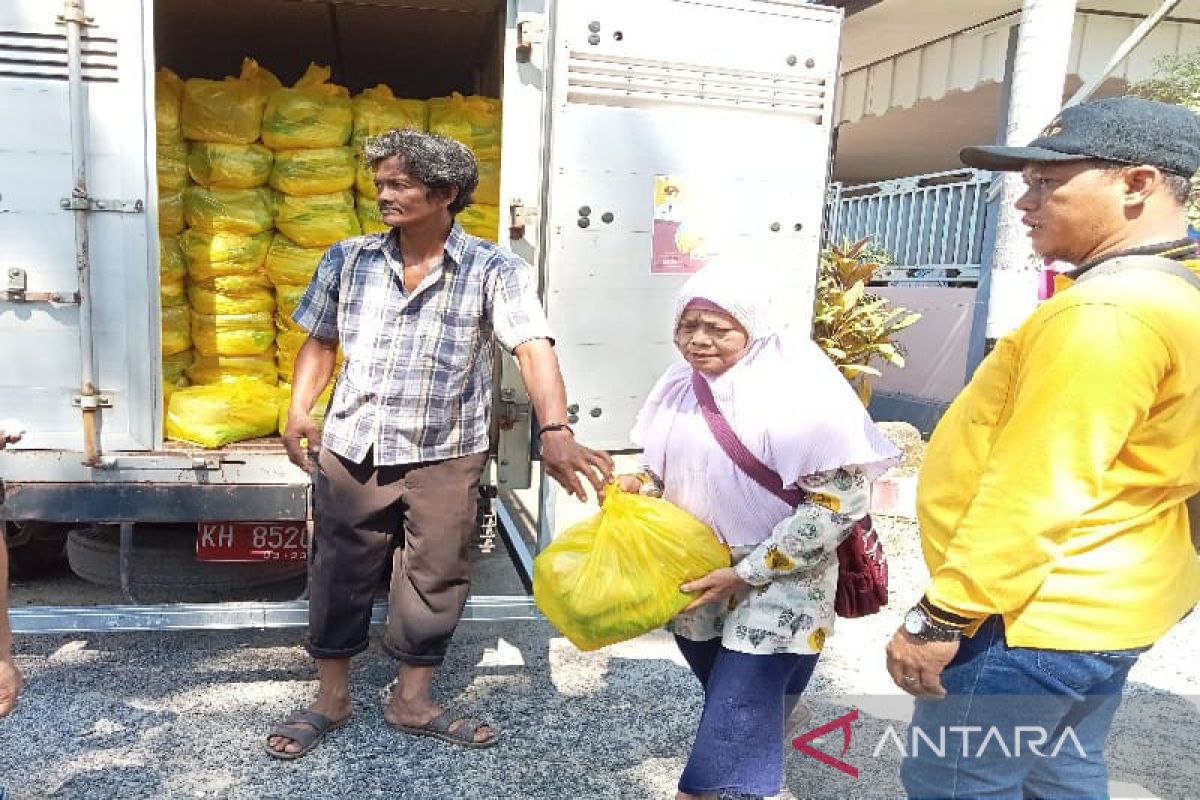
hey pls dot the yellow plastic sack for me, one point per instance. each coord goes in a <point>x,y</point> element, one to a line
<point>482,221</point>
<point>288,341</point>
<point>220,413</point>
<point>317,221</point>
<point>316,171</point>
<point>212,301</point>
<point>173,367</point>
<point>171,165</point>
<point>287,297</point>
<point>290,264</point>
<point>368,216</point>
<point>247,285</point>
<point>319,409</point>
<point>378,110</point>
<point>313,113</point>
<point>617,574</point>
<point>229,111</point>
<point>230,166</point>
<point>170,213</point>
<point>488,190</point>
<point>170,258</point>
<point>472,120</point>
<point>222,369</point>
<point>212,255</point>
<point>168,97</point>
<point>233,334</point>
<point>176,333</point>
<point>172,291</point>
<point>364,181</point>
<point>228,210</point>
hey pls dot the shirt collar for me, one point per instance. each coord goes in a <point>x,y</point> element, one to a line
<point>1177,250</point>
<point>455,247</point>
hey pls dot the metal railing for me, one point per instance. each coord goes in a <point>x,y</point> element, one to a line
<point>932,225</point>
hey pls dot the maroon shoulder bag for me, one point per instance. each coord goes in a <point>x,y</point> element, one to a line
<point>862,566</point>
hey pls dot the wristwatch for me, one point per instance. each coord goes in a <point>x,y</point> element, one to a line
<point>921,625</point>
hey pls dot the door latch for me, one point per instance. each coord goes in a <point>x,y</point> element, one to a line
<point>520,217</point>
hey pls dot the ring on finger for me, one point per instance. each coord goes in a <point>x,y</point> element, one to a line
<point>910,679</point>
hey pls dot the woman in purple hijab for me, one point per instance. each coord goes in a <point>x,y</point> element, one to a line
<point>754,632</point>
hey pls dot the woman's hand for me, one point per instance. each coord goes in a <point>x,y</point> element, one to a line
<point>716,585</point>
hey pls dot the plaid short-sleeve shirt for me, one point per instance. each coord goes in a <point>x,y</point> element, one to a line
<point>416,383</point>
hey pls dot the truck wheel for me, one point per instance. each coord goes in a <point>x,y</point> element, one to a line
<point>164,557</point>
<point>35,548</point>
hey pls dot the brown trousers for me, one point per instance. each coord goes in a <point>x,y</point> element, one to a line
<point>359,508</point>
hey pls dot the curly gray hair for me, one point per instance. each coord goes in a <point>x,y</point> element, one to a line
<point>437,161</point>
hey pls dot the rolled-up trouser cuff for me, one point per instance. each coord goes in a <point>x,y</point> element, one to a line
<point>326,652</point>
<point>423,660</point>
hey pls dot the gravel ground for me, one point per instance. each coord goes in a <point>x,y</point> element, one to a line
<point>180,715</point>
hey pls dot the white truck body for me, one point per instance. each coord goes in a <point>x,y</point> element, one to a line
<point>732,99</point>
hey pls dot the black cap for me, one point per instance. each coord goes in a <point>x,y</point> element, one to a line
<point>1127,130</point>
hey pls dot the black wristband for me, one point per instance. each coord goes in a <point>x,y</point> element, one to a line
<point>554,426</point>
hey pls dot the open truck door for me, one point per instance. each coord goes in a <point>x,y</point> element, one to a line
<point>655,133</point>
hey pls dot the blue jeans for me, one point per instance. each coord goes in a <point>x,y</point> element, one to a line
<point>1021,722</point>
<point>739,745</point>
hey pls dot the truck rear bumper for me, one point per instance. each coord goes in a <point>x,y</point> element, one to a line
<point>153,502</point>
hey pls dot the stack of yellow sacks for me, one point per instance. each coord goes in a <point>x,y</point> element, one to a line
<point>229,214</point>
<point>308,126</point>
<point>172,179</point>
<point>474,121</point>
<point>377,111</point>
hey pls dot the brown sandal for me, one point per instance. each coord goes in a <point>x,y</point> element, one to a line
<point>442,728</point>
<point>307,738</point>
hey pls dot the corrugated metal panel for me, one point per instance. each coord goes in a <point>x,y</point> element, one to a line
<point>970,58</point>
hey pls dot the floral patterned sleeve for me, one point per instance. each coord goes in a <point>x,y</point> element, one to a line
<point>836,499</point>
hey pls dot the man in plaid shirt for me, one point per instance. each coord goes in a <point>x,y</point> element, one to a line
<point>406,435</point>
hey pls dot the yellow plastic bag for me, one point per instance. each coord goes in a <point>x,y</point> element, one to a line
<point>368,216</point>
<point>173,367</point>
<point>172,291</point>
<point>378,110</point>
<point>176,332</point>
<point>316,171</point>
<point>472,120</point>
<point>244,211</point>
<point>223,369</point>
<point>233,334</point>
<point>319,409</point>
<point>488,190</point>
<point>364,181</point>
<point>230,166</point>
<point>212,301</point>
<point>289,342</point>
<point>212,255</point>
<point>287,297</point>
<point>290,264</point>
<point>168,97</point>
<point>229,111</point>
<point>171,165</point>
<point>220,413</point>
<point>170,258</point>
<point>313,113</point>
<point>170,213</point>
<point>482,221</point>
<point>617,574</point>
<point>317,221</point>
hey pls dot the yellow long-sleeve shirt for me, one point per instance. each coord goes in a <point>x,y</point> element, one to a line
<point>1053,489</point>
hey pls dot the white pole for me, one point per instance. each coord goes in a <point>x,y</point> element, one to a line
<point>1039,75</point>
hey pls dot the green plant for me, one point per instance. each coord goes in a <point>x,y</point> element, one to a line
<point>852,326</point>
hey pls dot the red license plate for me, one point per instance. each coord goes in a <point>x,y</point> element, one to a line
<point>251,541</point>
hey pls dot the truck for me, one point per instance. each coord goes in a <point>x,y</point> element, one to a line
<point>638,135</point>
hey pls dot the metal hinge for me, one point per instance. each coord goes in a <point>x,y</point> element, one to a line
<point>91,401</point>
<point>530,31</point>
<point>520,217</point>
<point>94,204</point>
<point>15,291</point>
<point>511,410</point>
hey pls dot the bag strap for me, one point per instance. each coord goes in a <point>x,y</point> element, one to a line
<point>1115,266</point>
<point>763,475</point>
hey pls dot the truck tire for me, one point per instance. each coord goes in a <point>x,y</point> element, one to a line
<point>164,557</point>
<point>35,548</point>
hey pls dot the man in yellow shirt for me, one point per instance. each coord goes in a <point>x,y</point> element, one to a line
<point>1052,500</point>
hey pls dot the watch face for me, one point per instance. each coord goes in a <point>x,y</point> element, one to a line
<point>914,621</point>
